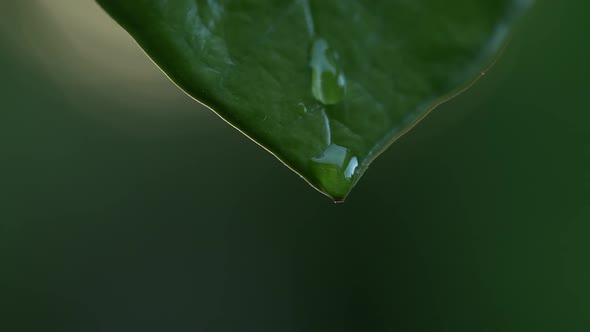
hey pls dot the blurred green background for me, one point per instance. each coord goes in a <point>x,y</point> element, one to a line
<point>125,206</point>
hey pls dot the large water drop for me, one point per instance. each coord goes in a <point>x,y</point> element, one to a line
<point>335,170</point>
<point>328,83</point>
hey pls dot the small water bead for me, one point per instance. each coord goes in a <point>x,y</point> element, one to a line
<point>328,83</point>
<point>301,108</point>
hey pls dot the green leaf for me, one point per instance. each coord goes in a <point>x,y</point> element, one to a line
<point>324,85</point>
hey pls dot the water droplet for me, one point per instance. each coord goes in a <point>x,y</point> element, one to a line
<point>335,170</point>
<point>302,108</point>
<point>328,83</point>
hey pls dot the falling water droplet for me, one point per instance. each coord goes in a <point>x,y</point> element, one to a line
<point>335,170</point>
<point>328,83</point>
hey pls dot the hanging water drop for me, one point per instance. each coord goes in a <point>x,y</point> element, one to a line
<point>335,170</point>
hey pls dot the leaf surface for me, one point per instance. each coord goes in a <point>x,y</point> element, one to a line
<point>325,86</point>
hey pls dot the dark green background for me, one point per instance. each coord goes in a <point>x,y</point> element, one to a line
<point>124,206</point>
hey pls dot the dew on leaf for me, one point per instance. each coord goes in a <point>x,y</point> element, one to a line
<point>335,170</point>
<point>328,83</point>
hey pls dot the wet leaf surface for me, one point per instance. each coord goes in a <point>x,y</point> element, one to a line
<point>325,86</point>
